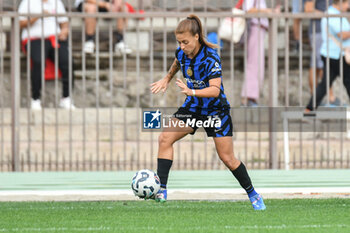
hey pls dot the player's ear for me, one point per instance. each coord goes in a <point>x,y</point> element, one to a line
<point>196,36</point>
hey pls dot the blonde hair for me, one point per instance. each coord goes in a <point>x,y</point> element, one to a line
<point>193,25</point>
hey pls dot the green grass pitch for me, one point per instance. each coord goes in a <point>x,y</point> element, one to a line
<point>291,215</point>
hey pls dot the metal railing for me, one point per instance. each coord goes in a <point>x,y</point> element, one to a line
<point>104,132</point>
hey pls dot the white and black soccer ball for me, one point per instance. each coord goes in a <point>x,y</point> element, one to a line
<point>145,184</point>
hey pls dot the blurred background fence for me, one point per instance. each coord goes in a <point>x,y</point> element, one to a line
<point>111,90</point>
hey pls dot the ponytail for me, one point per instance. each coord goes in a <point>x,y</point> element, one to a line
<point>193,25</point>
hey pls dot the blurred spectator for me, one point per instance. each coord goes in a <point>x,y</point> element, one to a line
<point>297,7</point>
<point>32,30</point>
<point>338,32</point>
<point>92,6</point>
<point>317,6</point>
<point>255,67</point>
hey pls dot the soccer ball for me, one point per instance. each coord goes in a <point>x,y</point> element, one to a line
<point>145,184</point>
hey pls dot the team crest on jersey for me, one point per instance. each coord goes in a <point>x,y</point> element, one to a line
<point>189,71</point>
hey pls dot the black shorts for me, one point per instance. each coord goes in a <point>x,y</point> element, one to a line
<point>219,125</point>
<point>100,9</point>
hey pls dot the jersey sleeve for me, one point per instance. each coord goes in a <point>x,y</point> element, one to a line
<point>213,67</point>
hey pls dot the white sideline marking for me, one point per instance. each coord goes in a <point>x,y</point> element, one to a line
<point>268,190</point>
<point>174,194</point>
<point>106,192</point>
<point>103,192</point>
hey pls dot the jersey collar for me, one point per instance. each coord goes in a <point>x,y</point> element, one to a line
<point>199,51</point>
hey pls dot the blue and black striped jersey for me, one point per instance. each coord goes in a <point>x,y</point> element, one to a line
<point>198,71</point>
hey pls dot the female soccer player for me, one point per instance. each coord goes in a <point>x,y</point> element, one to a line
<point>201,67</point>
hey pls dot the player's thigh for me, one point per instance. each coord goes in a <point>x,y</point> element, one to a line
<point>224,146</point>
<point>174,132</point>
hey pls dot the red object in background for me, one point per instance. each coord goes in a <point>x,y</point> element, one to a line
<point>49,72</point>
<point>131,9</point>
<point>239,4</point>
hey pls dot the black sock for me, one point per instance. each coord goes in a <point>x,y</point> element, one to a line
<point>90,37</point>
<point>163,169</point>
<point>118,36</point>
<point>242,176</point>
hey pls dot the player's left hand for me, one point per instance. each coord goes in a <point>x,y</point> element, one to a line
<point>184,88</point>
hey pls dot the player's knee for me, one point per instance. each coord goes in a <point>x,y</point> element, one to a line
<point>226,159</point>
<point>164,140</point>
<point>230,161</point>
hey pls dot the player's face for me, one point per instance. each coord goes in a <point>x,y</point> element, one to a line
<point>188,43</point>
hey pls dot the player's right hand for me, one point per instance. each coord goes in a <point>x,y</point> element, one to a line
<point>160,85</point>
